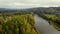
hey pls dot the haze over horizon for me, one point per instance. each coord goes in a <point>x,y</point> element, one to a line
<point>28,3</point>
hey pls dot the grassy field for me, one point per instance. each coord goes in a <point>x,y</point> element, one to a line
<point>17,24</point>
<point>53,20</point>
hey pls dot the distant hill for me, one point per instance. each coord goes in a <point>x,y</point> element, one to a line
<point>51,10</point>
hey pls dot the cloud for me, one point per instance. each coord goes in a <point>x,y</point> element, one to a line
<point>28,3</point>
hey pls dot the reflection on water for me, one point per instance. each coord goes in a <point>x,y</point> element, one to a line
<point>44,27</point>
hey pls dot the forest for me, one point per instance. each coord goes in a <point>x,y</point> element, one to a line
<point>17,23</point>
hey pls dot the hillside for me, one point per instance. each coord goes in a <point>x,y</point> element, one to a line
<point>17,24</point>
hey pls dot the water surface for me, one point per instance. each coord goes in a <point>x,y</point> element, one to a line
<point>44,27</point>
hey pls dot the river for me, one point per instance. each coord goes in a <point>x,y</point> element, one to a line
<point>44,27</point>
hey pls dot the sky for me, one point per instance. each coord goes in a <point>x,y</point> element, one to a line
<point>28,3</point>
